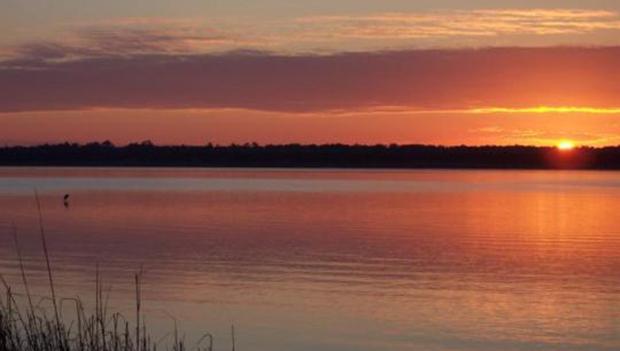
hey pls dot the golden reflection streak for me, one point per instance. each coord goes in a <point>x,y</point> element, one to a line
<point>548,109</point>
<point>474,110</point>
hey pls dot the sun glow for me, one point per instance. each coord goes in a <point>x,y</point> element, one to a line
<point>566,145</point>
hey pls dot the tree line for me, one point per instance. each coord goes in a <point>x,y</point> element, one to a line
<point>147,154</point>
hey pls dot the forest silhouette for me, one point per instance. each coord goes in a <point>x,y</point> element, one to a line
<point>147,154</point>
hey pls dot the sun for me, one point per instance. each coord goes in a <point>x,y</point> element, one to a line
<point>565,145</point>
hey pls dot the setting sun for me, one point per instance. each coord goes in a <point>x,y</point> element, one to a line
<point>566,145</point>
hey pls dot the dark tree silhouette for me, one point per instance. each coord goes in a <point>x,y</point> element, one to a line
<point>295,155</point>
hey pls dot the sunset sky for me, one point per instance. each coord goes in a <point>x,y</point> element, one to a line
<point>279,71</point>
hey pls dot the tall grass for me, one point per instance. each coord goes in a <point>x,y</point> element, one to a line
<point>31,328</point>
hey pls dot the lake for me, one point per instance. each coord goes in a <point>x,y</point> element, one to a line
<point>333,260</point>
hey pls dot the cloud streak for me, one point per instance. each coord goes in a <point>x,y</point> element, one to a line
<point>327,34</point>
<point>476,23</point>
<point>514,79</point>
<point>126,37</point>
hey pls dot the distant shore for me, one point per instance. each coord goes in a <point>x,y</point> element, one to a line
<point>146,154</point>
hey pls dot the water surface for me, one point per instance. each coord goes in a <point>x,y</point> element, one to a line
<point>335,259</point>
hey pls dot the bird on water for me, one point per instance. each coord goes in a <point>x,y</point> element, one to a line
<point>65,200</point>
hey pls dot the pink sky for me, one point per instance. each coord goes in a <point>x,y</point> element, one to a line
<point>408,75</point>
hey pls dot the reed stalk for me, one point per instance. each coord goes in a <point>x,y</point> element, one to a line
<point>34,330</point>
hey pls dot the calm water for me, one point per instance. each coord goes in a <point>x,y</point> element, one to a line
<point>336,260</point>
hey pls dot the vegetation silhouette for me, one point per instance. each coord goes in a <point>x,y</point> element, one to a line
<point>31,327</point>
<point>146,154</point>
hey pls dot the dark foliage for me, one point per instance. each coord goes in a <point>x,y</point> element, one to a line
<point>296,155</point>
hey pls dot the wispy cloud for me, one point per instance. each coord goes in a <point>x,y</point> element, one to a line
<point>326,34</point>
<point>127,37</point>
<point>475,23</point>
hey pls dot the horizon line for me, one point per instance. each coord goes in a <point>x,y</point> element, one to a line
<point>150,143</point>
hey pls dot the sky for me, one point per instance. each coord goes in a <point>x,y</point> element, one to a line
<point>445,72</point>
